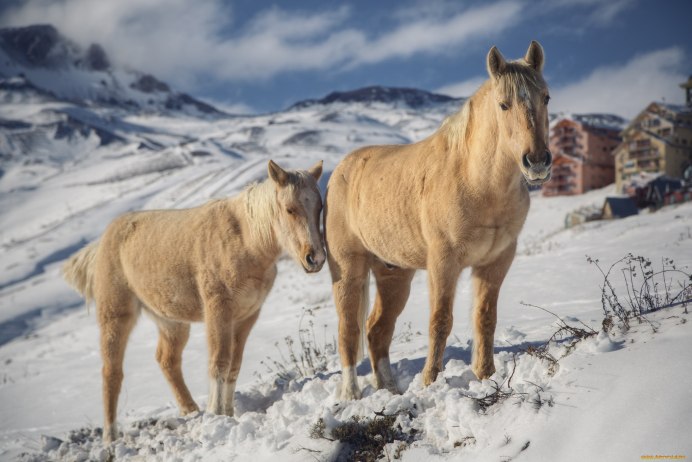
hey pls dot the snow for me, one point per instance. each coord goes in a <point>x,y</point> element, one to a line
<point>617,396</point>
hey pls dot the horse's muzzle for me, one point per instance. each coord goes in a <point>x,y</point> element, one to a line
<point>313,261</point>
<point>536,172</point>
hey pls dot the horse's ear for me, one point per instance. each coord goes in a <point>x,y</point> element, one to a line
<point>276,173</point>
<point>316,170</point>
<point>496,63</point>
<point>534,56</point>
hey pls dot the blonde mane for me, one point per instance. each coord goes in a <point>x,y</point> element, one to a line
<point>455,127</point>
<point>260,206</point>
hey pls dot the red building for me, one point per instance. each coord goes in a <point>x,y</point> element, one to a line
<point>582,148</point>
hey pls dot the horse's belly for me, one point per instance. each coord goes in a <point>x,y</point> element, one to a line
<point>177,300</point>
<point>396,248</point>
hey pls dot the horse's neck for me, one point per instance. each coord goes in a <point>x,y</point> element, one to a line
<point>257,205</point>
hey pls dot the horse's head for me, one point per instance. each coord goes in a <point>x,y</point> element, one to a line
<point>298,214</point>
<point>521,104</point>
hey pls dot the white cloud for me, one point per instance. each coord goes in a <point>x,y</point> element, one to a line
<point>598,12</point>
<point>465,88</point>
<point>625,89</point>
<point>185,41</point>
<point>439,34</point>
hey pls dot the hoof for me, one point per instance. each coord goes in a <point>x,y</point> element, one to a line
<point>390,385</point>
<point>189,409</point>
<point>349,389</point>
<point>349,393</point>
<point>349,385</point>
<point>484,371</point>
<point>383,377</point>
<point>393,389</point>
<point>430,375</point>
<point>110,434</point>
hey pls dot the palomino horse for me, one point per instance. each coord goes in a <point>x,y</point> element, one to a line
<point>456,199</point>
<point>214,263</point>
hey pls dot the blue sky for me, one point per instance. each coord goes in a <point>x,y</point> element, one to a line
<point>250,55</point>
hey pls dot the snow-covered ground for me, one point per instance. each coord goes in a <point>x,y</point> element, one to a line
<point>618,396</point>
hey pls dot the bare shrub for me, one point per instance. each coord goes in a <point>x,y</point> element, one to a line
<point>364,439</point>
<point>310,357</point>
<point>566,336</point>
<point>647,289</point>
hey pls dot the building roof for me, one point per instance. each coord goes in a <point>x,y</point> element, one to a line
<point>643,179</point>
<point>665,184</point>
<point>676,108</point>
<point>604,121</point>
<point>621,206</point>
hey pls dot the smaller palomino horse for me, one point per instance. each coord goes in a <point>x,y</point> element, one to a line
<point>214,263</point>
<point>457,199</point>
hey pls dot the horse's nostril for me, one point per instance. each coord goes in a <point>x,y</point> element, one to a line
<point>525,160</point>
<point>309,259</point>
<point>548,158</point>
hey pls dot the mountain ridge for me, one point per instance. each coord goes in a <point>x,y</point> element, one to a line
<point>412,97</point>
<point>59,67</point>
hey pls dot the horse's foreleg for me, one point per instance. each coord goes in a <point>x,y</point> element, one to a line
<point>486,287</point>
<point>219,321</point>
<point>241,330</point>
<point>393,288</point>
<point>173,337</point>
<point>443,273</point>
<point>349,276</point>
<point>116,320</point>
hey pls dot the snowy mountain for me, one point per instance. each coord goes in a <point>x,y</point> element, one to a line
<point>72,159</point>
<point>409,97</point>
<point>43,59</point>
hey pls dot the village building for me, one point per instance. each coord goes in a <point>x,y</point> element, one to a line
<point>658,140</point>
<point>582,147</point>
<point>618,207</point>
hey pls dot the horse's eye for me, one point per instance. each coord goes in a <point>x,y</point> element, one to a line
<point>504,106</point>
<point>547,99</point>
<point>290,211</point>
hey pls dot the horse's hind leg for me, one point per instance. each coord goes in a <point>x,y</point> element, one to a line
<point>393,288</point>
<point>117,314</point>
<point>486,286</point>
<point>173,337</point>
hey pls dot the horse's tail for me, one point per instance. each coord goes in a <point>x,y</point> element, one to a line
<point>78,271</point>
<point>363,316</point>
